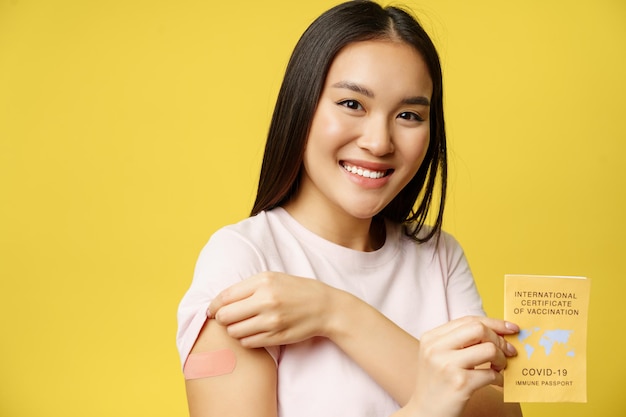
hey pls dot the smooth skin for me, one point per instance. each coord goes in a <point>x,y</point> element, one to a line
<point>373,115</point>
<point>223,395</point>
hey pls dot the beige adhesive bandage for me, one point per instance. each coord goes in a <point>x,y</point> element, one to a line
<point>208,364</point>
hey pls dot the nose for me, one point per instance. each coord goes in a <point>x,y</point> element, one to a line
<point>377,137</point>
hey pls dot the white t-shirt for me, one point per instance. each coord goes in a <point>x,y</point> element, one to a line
<point>418,286</point>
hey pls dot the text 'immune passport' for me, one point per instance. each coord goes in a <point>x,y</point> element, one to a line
<point>551,312</point>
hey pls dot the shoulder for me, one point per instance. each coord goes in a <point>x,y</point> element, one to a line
<point>250,234</point>
<point>247,230</point>
<point>232,254</point>
<point>244,248</point>
<point>442,251</point>
<point>443,243</point>
<point>253,231</point>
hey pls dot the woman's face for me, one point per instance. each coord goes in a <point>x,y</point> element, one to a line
<point>370,131</point>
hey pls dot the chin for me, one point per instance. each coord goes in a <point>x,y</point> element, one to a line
<point>364,214</point>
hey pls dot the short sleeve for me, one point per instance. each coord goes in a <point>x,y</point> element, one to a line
<point>461,292</point>
<point>226,259</point>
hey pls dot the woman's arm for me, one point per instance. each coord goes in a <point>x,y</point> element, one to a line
<point>384,350</point>
<point>273,308</point>
<point>250,389</point>
<point>380,347</point>
<point>452,378</point>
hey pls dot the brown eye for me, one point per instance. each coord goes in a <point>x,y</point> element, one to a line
<point>351,104</point>
<point>407,115</point>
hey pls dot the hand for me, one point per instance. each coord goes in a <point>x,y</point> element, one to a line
<point>272,308</point>
<point>456,359</point>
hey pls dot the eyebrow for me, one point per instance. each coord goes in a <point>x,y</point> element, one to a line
<point>354,87</point>
<point>418,100</point>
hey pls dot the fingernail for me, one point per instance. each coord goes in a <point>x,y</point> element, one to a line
<point>511,349</point>
<point>511,326</point>
<point>208,314</point>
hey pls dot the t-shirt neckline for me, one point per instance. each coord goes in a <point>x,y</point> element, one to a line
<point>333,250</point>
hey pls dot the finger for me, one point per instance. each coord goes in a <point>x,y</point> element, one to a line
<point>480,354</point>
<point>247,328</point>
<point>259,340</point>
<point>269,338</point>
<point>463,334</point>
<point>256,332</point>
<point>234,293</point>
<point>499,326</point>
<point>471,380</point>
<point>473,330</point>
<point>238,311</point>
<point>483,377</point>
<point>450,326</point>
<point>471,333</point>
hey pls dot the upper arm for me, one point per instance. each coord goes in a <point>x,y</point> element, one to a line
<point>249,390</point>
<point>461,292</point>
<point>227,259</point>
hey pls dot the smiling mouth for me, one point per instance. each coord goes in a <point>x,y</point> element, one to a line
<point>366,173</point>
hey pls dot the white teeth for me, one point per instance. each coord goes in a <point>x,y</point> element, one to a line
<point>364,172</point>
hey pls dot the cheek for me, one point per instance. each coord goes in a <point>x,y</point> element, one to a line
<point>330,128</point>
<point>415,148</point>
<point>423,149</point>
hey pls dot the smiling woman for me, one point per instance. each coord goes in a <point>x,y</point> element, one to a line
<point>367,139</point>
<point>131,130</point>
<point>334,297</point>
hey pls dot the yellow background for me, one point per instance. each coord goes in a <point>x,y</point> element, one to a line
<point>130,130</point>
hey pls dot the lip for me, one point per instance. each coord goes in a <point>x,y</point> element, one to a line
<point>363,181</point>
<point>372,166</point>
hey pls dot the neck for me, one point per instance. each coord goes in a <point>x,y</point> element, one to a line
<point>365,235</point>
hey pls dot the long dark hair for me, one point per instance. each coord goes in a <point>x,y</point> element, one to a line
<point>302,86</point>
